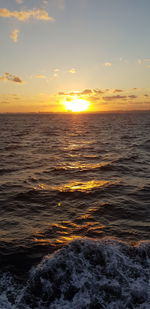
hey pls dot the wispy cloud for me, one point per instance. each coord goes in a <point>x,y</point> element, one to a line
<point>98,91</point>
<point>132,96</point>
<point>10,77</point>
<point>4,102</point>
<point>86,91</point>
<point>120,97</point>
<point>117,90</point>
<point>107,64</point>
<point>94,98</point>
<point>14,35</point>
<point>38,14</point>
<point>115,97</point>
<point>73,93</point>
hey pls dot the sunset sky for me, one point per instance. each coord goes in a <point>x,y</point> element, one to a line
<point>56,51</point>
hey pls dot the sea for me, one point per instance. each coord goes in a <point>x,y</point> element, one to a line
<point>75,210</point>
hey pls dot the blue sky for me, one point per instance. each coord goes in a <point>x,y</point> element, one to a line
<point>71,45</point>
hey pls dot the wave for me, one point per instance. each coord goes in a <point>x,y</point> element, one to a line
<point>4,171</point>
<point>85,274</point>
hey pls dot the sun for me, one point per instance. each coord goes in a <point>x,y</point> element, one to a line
<point>76,105</point>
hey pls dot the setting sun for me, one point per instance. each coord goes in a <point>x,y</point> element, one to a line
<point>76,105</point>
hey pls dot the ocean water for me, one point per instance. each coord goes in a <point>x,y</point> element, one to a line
<point>75,211</point>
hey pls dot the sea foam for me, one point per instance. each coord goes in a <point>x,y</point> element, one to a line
<point>85,274</point>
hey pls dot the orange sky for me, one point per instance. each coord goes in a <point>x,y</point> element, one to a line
<point>56,53</point>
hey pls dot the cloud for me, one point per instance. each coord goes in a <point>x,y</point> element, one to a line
<point>132,96</point>
<point>94,98</point>
<point>91,93</point>
<point>38,14</point>
<point>73,71</point>
<point>107,64</point>
<point>69,93</point>
<point>76,93</point>
<point>40,76</point>
<point>61,93</point>
<point>14,35</point>
<point>115,97</point>
<point>4,102</point>
<point>98,91</point>
<point>10,77</point>
<point>86,91</point>
<point>118,90</point>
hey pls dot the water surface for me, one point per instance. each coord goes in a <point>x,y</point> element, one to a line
<point>74,178</point>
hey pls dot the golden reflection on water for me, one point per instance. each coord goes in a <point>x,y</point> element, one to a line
<point>72,145</point>
<point>42,240</point>
<point>63,232</point>
<point>59,240</point>
<point>82,186</point>
<point>64,239</point>
<point>74,186</point>
<point>77,155</point>
<point>84,166</point>
<point>59,226</point>
<point>68,231</point>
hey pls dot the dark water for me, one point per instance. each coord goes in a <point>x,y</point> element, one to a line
<point>75,211</point>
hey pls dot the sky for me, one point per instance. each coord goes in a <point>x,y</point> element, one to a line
<point>58,51</point>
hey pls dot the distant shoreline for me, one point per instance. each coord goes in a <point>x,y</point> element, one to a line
<point>76,113</point>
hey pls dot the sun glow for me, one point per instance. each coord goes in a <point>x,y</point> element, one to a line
<point>76,105</point>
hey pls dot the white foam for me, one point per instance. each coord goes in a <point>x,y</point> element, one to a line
<point>85,274</point>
